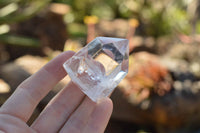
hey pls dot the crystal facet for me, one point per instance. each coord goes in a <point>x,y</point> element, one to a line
<point>99,67</point>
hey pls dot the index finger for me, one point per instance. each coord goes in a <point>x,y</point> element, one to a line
<point>30,92</point>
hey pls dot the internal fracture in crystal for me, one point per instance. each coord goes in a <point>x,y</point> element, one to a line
<point>99,67</point>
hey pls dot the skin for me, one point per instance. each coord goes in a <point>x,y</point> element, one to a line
<point>70,111</point>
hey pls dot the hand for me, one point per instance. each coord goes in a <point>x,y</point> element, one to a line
<point>70,111</point>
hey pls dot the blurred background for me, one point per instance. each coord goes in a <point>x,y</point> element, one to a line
<point>160,94</point>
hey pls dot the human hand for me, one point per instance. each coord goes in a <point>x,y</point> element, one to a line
<point>70,111</point>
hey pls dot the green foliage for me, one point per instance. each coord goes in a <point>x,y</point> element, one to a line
<point>161,17</point>
<point>77,30</point>
<point>19,40</point>
<point>18,10</point>
<point>157,17</point>
<point>12,11</point>
<point>198,27</point>
<point>178,20</point>
<point>103,11</point>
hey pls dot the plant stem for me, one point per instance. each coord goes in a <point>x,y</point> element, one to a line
<point>19,40</point>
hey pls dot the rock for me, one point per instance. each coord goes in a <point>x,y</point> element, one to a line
<point>4,87</point>
<point>163,44</point>
<point>31,64</point>
<point>187,52</point>
<point>167,114</point>
<point>13,74</point>
<point>174,64</point>
<point>5,91</point>
<point>177,110</point>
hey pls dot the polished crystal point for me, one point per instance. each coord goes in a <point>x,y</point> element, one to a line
<point>99,67</point>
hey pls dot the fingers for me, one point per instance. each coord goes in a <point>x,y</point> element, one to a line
<point>99,117</point>
<point>59,109</point>
<point>26,97</point>
<point>90,117</point>
<point>10,124</point>
<point>78,120</point>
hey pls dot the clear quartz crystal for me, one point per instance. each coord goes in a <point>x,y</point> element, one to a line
<point>99,67</point>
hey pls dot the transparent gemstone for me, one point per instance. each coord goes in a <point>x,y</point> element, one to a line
<point>99,67</point>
